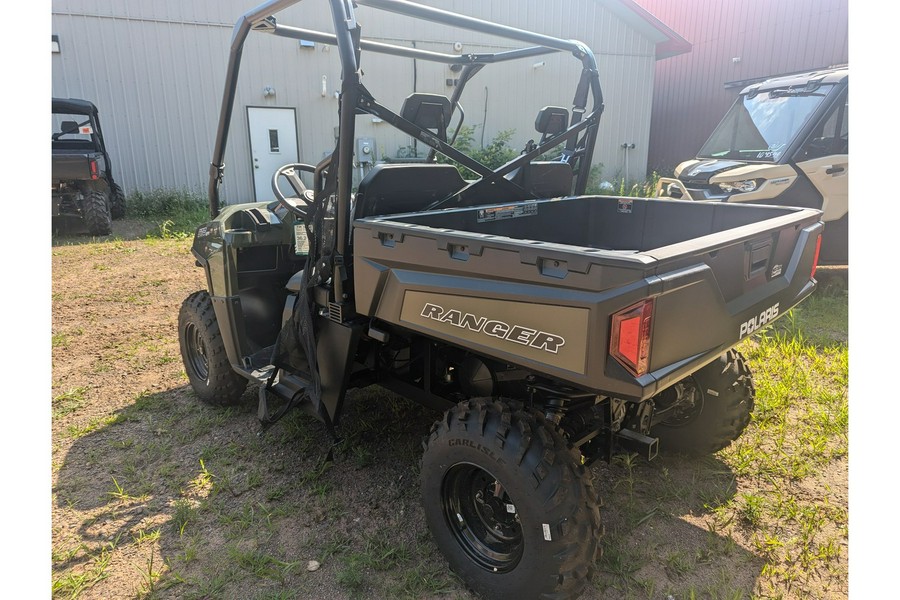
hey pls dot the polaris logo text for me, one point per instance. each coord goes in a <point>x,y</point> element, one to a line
<point>498,329</point>
<point>766,316</point>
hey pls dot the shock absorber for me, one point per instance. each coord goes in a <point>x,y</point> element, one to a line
<point>568,408</point>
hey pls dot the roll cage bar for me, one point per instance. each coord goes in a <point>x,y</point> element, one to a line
<point>333,175</point>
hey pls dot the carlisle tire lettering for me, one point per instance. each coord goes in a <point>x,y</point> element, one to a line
<point>474,446</point>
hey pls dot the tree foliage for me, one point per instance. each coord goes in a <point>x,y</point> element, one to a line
<point>493,155</point>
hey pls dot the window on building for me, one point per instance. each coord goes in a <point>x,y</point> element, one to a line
<point>273,141</point>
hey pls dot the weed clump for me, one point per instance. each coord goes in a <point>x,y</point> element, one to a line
<point>177,213</point>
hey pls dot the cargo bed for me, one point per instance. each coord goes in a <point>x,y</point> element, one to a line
<point>561,267</point>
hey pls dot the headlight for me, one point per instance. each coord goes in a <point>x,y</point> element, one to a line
<point>747,185</point>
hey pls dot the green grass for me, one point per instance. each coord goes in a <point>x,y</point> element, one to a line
<point>764,500</point>
<point>213,586</point>
<point>801,368</point>
<point>177,213</point>
<point>73,583</point>
<point>142,536</point>
<point>394,568</point>
<point>425,579</point>
<point>261,564</point>
<point>799,428</point>
<point>76,431</point>
<point>69,401</point>
<point>185,512</point>
<point>118,493</point>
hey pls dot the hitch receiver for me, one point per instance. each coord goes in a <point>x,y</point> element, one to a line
<point>638,442</point>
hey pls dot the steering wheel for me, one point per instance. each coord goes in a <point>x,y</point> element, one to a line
<point>290,172</point>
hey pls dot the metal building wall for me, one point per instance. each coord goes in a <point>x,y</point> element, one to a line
<point>156,71</point>
<point>768,37</point>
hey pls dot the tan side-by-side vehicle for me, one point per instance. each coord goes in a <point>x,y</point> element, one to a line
<point>784,141</point>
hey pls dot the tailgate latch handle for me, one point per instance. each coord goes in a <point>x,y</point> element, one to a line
<point>757,258</point>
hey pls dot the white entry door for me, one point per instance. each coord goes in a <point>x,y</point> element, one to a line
<point>273,143</point>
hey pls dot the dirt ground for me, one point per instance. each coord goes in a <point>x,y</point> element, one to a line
<point>156,495</point>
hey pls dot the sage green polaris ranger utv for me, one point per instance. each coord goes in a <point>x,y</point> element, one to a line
<point>784,141</point>
<point>546,328</point>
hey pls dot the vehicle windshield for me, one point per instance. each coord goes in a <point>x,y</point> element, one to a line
<point>762,127</point>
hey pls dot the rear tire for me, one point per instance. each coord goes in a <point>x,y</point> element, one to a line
<point>117,202</point>
<point>724,397</point>
<point>508,503</point>
<point>95,210</point>
<point>203,353</point>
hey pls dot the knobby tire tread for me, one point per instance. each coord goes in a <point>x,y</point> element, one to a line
<point>728,413</point>
<point>558,478</point>
<point>224,387</point>
<point>95,210</point>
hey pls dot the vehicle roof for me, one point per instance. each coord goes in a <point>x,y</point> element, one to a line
<point>831,75</point>
<point>74,106</point>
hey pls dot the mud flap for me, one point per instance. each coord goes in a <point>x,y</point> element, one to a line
<point>326,369</point>
<point>335,351</point>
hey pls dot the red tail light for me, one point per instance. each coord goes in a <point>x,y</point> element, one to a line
<point>816,256</point>
<point>629,342</point>
<point>94,172</point>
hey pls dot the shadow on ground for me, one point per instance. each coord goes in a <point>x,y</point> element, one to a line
<point>178,499</point>
<point>70,231</point>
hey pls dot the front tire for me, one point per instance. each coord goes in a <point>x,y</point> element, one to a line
<point>722,404</point>
<point>203,353</point>
<point>508,503</point>
<point>95,210</point>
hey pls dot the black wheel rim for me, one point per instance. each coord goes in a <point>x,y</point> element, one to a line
<point>196,352</point>
<point>482,518</point>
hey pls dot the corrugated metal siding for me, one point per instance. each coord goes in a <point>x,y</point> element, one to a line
<point>156,71</point>
<point>158,83</point>
<point>769,36</point>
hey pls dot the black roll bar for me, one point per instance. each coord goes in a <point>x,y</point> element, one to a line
<point>238,36</point>
<point>298,33</point>
<point>346,38</point>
